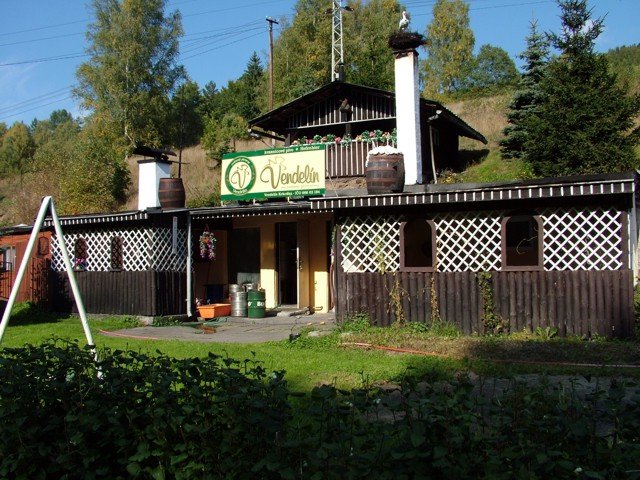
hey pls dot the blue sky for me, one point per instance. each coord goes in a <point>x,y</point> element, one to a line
<point>42,41</point>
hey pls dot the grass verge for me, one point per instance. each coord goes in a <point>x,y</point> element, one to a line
<point>334,359</point>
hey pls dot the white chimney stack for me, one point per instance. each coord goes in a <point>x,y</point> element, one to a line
<point>150,171</point>
<point>408,114</point>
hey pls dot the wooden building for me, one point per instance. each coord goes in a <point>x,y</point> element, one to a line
<point>35,285</point>
<point>557,253</point>
<point>345,110</point>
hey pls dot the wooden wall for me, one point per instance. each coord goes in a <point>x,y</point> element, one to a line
<point>573,302</point>
<point>146,293</point>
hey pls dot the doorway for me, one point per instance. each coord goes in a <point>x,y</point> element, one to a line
<point>287,263</point>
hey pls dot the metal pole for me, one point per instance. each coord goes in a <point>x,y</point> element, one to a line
<point>44,207</point>
<point>72,277</point>
<point>47,204</point>
<point>189,267</point>
<point>433,161</point>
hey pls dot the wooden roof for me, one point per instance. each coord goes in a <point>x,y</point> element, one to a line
<point>560,187</point>
<point>277,120</point>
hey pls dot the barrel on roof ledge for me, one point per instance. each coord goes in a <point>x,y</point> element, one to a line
<point>384,170</point>
<point>171,193</point>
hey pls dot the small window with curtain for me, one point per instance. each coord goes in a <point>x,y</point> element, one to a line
<point>117,244</point>
<point>80,254</point>
<point>522,242</point>
<point>417,245</point>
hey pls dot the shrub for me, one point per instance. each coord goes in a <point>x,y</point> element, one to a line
<point>131,415</point>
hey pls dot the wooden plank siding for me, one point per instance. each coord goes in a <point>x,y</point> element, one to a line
<point>147,293</point>
<point>346,160</point>
<point>581,303</point>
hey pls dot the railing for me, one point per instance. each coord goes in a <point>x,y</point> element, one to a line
<point>346,160</point>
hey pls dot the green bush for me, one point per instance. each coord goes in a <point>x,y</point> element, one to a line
<point>135,416</point>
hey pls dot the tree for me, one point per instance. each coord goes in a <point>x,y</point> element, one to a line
<point>449,45</point>
<point>16,150</point>
<point>132,69</point>
<point>44,130</point>
<point>585,122</point>
<point>493,67</point>
<point>186,120</point>
<point>302,51</point>
<point>220,134</point>
<point>528,96</point>
<point>368,59</point>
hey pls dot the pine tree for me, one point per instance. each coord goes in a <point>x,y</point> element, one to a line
<point>585,123</point>
<point>528,96</point>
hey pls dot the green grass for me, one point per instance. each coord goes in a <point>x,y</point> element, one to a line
<point>308,362</point>
<point>495,169</point>
<point>335,360</point>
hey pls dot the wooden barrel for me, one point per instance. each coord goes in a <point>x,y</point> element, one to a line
<point>171,193</point>
<point>385,173</point>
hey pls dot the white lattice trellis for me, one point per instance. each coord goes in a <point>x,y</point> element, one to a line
<point>142,249</point>
<point>468,241</point>
<point>582,239</point>
<point>370,243</point>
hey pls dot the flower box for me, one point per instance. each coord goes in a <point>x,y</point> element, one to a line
<point>214,310</point>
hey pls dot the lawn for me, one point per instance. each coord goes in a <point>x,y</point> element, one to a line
<point>336,359</point>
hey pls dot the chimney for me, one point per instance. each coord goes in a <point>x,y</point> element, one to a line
<point>150,171</point>
<point>408,103</point>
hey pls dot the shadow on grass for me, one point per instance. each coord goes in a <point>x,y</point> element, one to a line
<point>28,313</point>
<point>468,158</point>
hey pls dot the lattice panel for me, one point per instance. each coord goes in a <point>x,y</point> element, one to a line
<point>142,249</point>
<point>582,239</point>
<point>370,243</point>
<point>468,241</point>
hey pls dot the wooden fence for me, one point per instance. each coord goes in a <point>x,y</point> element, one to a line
<point>146,293</point>
<point>573,302</point>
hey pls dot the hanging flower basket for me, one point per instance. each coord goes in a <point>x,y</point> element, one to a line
<point>208,245</point>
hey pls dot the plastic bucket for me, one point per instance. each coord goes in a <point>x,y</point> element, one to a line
<point>239,304</point>
<point>256,303</point>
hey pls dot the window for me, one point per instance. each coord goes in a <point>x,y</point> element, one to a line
<point>417,245</point>
<point>7,258</point>
<point>522,242</point>
<point>80,254</point>
<point>116,253</point>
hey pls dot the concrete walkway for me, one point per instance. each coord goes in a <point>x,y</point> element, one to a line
<point>233,329</point>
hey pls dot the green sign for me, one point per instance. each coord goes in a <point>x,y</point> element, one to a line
<point>278,172</point>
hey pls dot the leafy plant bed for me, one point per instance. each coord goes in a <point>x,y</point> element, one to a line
<point>132,415</point>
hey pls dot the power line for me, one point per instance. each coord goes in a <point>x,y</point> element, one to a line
<point>37,107</point>
<point>46,59</point>
<point>47,95</point>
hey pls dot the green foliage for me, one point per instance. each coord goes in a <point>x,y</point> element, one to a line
<point>585,123</point>
<point>186,121</point>
<point>220,134</point>
<point>97,177</point>
<point>449,45</point>
<point>158,417</point>
<point>359,322</point>
<point>493,68</point>
<point>16,150</point>
<point>625,63</point>
<point>132,69</point>
<point>493,322</point>
<point>369,61</point>
<point>528,95</point>
<point>169,321</point>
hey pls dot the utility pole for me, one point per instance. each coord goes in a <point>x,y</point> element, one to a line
<point>271,22</point>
